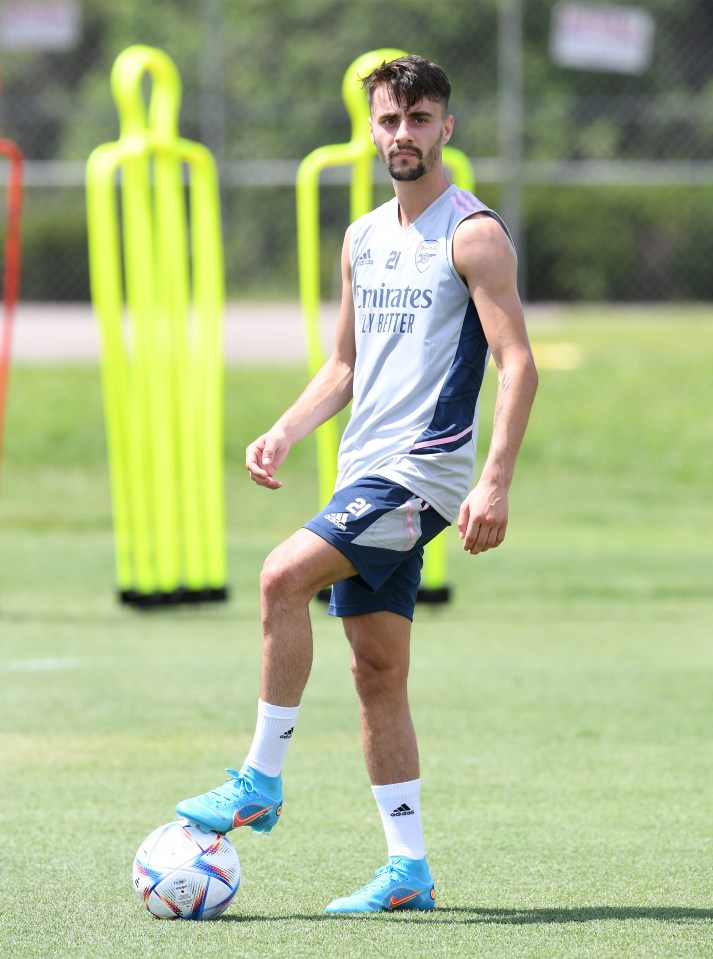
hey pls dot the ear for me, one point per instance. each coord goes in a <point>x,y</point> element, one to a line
<point>371,131</point>
<point>447,128</point>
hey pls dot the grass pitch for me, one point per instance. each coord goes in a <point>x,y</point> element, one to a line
<point>563,700</point>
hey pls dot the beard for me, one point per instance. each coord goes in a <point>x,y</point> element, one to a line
<point>406,174</point>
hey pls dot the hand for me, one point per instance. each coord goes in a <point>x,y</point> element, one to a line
<point>264,456</point>
<point>483,518</point>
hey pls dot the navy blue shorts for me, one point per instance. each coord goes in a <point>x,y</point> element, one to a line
<point>381,528</point>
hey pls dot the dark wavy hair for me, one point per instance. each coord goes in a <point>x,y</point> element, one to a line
<point>410,80</point>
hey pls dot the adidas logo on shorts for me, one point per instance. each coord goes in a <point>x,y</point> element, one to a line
<point>338,519</point>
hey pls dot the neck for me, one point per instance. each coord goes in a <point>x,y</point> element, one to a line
<point>415,196</point>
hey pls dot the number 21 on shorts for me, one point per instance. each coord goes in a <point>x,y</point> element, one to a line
<point>358,507</point>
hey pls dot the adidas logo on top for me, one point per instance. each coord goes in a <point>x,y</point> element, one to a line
<point>288,734</point>
<point>339,519</point>
<point>402,810</point>
<point>364,259</point>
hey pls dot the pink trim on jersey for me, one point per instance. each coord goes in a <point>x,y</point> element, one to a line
<point>409,527</point>
<point>465,202</point>
<point>442,442</point>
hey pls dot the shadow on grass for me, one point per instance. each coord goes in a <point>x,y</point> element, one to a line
<point>511,917</point>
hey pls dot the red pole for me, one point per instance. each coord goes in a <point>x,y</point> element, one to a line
<point>12,267</point>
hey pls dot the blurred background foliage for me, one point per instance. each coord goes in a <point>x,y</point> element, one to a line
<point>613,181</point>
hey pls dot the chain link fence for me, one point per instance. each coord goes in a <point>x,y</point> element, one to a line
<point>601,166</point>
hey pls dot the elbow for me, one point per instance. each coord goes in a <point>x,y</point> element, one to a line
<point>523,371</point>
<point>345,382</point>
<point>528,374</point>
<point>533,376</point>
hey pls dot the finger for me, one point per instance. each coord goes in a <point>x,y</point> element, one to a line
<point>258,458</point>
<point>272,455</point>
<point>253,457</point>
<point>471,544</point>
<point>495,536</point>
<point>257,472</point>
<point>463,521</point>
<point>492,540</point>
<point>265,480</point>
<point>478,538</point>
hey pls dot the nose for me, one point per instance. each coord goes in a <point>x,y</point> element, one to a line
<point>403,133</point>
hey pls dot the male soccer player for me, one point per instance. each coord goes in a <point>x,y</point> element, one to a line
<point>429,292</point>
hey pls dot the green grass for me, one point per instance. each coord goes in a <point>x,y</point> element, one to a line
<point>563,700</point>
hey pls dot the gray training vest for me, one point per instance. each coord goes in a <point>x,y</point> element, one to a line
<point>421,354</point>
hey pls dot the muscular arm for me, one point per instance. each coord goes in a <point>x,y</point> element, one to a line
<point>328,392</point>
<point>484,256</point>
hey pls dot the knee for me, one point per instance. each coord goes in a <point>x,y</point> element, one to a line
<point>376,676</point>
<point>279,578</point>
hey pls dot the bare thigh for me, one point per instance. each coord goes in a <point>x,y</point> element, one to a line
<point>303,564</point>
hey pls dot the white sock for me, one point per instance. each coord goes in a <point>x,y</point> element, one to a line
<point>273,733</point>
<point>400,808</point>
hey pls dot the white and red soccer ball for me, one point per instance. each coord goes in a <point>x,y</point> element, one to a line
<point>181,872</point>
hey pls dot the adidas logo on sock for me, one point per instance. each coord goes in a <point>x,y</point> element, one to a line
<point>288,734</point>
<point>402,810</point>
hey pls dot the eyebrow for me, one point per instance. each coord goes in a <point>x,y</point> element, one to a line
<point>387,114</point>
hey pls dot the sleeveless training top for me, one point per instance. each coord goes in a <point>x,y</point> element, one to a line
<point>421,354</point>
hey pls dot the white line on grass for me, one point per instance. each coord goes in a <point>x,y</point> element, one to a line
<point>42,665</point>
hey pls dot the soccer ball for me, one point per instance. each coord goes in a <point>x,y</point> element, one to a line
<point>181,872</point>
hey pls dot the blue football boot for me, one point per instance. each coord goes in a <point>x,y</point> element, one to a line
<point>248,798</point>
<point>400,884</point>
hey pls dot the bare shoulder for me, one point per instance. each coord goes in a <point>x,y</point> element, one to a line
<point>348,238</point>
<point>481,244</point>
<point>482,227</point>
<point>346,251</point>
